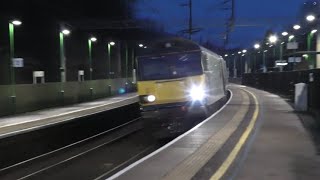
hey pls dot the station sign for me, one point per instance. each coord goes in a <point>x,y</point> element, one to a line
<point>295,59</point>
<point>81,72</point>
<point>292,45</point>
<point>17,62</point>
<point>38,73</point>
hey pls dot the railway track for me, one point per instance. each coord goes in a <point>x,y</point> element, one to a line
<point>100,155</point>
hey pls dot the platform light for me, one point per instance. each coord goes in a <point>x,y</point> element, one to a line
<point>239,52</point>
<point>285,33</point>
<point>273,39</point>
<point>305,56</point>
<point>141,45</point>
<point>314,31</point>
<point>296,27</point>
<point>66,31</point>
<point>244,51</point>
<point>16,22</point>
<point>226,55</point>
<point>145,47</point>
<point>243,55</point>
<point>282,42</point>
<point>232,54</point>
<point>265,51</point>
<point>310,18</point>
<point>257,46</point>
<point>291,37</point>
<point>271,46</point>
<point>112,43</point>
<point>93,39</point>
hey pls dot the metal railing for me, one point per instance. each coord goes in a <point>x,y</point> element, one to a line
<point>283,83</point>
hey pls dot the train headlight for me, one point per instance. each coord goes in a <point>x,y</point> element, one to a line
<point>197,93</point>
<point>151,98</point>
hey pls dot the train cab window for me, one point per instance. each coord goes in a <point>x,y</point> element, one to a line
<point>204,60</point>
<point>169,66</point>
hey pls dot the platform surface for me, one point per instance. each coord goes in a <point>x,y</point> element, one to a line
<point>256,135</point>
<point>16,124</point>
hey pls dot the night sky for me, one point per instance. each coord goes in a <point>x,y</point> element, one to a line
<point>253,18</point>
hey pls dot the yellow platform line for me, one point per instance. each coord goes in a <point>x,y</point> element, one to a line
<point>193,163</point>
<point>244,137</point>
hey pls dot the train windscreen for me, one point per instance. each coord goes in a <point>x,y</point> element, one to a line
<point>170,66</point>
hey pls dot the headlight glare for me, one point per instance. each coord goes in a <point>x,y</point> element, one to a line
<point>151,98</point>
<point>197,93</point>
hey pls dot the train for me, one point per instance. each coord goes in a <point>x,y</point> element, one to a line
<point>177,81</point>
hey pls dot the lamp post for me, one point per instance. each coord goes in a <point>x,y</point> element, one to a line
<point>309,42</point>
<point>264,61</point>
<point>112,43</point>
<point>273,40</point>
<point>90,40</point>
<point>63,70</point>
<point>12,24</point>
<point>257,47</point>
<point>281,50</point>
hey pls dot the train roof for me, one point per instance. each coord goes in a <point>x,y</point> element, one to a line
<point>169,45</point>
<point>173,45</point>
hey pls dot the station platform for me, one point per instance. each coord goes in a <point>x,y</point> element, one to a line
<point>16,124</point>
<point>256,135</point>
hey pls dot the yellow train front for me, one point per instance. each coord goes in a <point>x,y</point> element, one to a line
<point>178,81</point>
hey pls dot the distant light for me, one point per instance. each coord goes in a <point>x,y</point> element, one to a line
<point>296,27</point>
<point>93,39</point>
<point>291,37</point>
<point>239,52</point>
<point>271,46</point>
<point>226,55</point>
<point>310,18</point>
<point>122,91</point>
<point>257,46</point>
<point>285,33</point>
<point>267,43</point>
<point>305,55</point>
<point>16,22</point>
<point>141,45</point>
<point>265,51</point>
<point>314,31</point>
<point>66,32</point>
<point>273,39</point>
<point>281,63</point>
<point>168,45</point>
<point>243,54</point>
<point>282,42</point>
<point>244,51</point>
<point>112,43</point>
<point>232,54</point>
<point>259,52</point>
<point>145,47</point>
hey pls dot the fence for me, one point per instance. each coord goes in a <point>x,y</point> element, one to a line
<point>283,83</point>
<point>30,97</point>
